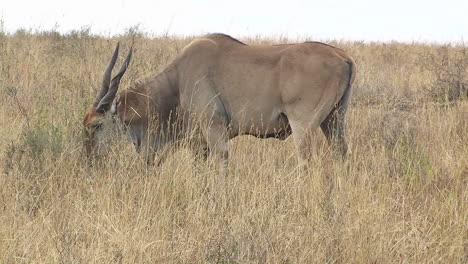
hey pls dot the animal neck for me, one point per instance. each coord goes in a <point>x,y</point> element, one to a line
<point>164,92</point>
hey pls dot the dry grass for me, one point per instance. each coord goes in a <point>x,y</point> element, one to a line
<point>402,196</point>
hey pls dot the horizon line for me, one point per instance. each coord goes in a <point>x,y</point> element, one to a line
<point>280,36</point>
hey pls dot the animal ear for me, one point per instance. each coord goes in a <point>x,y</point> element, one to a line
<point>105,102</point>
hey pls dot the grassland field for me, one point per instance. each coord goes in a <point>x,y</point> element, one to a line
<point>400,197</point>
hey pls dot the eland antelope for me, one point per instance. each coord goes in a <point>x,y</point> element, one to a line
<point>218,88</point>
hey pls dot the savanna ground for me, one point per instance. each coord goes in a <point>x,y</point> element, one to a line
<point>400,197</point>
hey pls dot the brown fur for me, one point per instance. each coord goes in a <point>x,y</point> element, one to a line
<point>227,88</point>
<point>132,104</point>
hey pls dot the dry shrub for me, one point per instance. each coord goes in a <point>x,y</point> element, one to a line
<point>450,70</point>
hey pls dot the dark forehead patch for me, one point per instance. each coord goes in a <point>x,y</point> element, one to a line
<point>90,116</point>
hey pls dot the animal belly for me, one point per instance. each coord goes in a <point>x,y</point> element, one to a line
<point>277,127</point>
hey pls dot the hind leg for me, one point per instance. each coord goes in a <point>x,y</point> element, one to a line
<point>334,129</point>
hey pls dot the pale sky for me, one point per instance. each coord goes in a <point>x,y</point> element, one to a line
<point>401,20</point>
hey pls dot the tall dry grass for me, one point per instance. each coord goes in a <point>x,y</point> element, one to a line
<point>401,197</point>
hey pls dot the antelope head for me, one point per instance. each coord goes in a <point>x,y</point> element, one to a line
<point>99,122</point>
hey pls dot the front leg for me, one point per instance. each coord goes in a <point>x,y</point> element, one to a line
<point>216,136</point>
<point>153,147</point>
<point>200,150</point>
